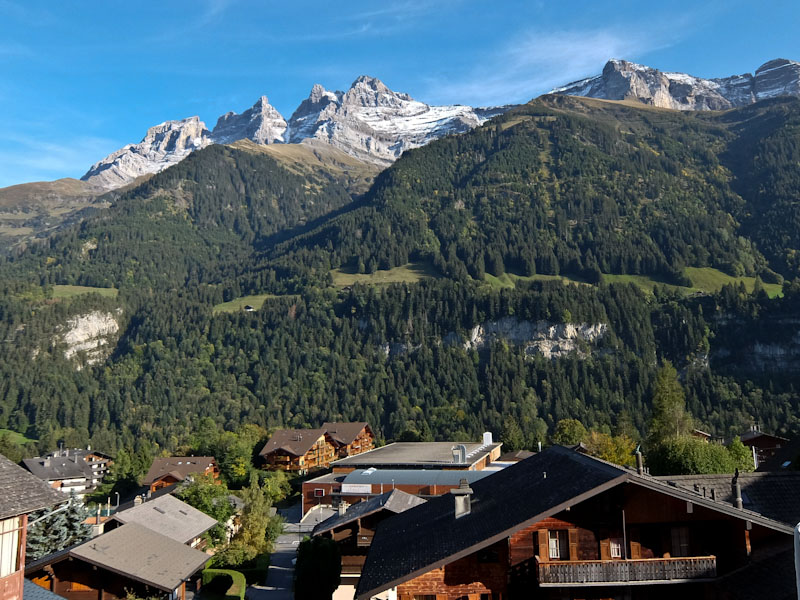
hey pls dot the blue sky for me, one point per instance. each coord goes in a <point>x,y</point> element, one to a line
<point>80,79</point>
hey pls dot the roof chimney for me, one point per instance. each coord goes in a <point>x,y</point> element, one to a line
<point>342,508</point>
<point>736,488</point>
<point>459,453</point>
<point>487,438</point>
<point>463,498</point>
<point>47,462</point>
<point>639,462</point>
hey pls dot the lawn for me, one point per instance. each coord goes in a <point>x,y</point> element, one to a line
<point>256,301</point>
<point>409,273</point>
<point>70,291</point>
<point>15,437</point>
<point>703,279</point>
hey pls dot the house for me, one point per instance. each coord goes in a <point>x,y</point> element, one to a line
<point>564,525</point>
<point>333,489</point>
<point>131,558</point>
<point>353,528</point>
<point>21,494</point>
<point>349,439</point>
<point>168,516</point>
<point>461,456</point>
<point>298,450</point>
<point>174,469</point>
<point>766,445</point>
<point>71,470</point>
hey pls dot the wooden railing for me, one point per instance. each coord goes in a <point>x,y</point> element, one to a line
<point>624,571</point>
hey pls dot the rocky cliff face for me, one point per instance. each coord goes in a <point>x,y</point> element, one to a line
<point>163,146</point>
<point>262,124</point>
<point>89,336</point>
<point>369,122</point>
<point>376,124</point>
<point>622,80</point>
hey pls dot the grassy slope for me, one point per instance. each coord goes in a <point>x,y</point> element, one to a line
<point>69,291</point>
<point>15,437</point>
<point>409,273</point>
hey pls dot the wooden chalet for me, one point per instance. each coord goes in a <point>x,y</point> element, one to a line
<point>354,527</point>
<point>170,470</point>
<point>298,450</point>
<point>764,445</point>
<point>349,439</point>
<point>562,525</point>
<point>22,493</point>
<point>129,559</point>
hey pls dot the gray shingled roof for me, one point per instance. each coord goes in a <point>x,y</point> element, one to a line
<point>292,441</point>
<point>31,591</point>
<point>395,501</point>
<point>170,517</point>
<point>57,468</point>
<point>178,466</point>
<point>21,492</point>
<point>775,495</point>
<point>509,500</point>
<point>143,555</point>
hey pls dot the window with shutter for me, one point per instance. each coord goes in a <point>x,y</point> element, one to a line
<point>559,545</point>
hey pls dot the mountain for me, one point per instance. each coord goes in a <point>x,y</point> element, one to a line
<point>545,263</point>
<point>262,124</point>
<point>369,121</point>
<point>32,210</point>
<point>623,80</point>
<point>374,123</point>
<point>163,146</point>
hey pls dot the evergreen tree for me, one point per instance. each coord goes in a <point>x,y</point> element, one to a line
<point>670,419</point>
<point>59,530</point>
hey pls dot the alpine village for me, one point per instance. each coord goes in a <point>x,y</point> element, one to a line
<point>390,350</point>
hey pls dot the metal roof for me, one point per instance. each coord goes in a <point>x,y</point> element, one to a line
<point>413,476</point>
<point>170,517</point>
<point>418,454</point>
<point>22,493</point>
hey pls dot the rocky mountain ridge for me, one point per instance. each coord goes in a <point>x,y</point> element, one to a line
<point>369,121</point>
<point>623,80</point>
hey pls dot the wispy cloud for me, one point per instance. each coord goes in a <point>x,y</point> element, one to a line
<point>25,158</point>
<point>537,61</point>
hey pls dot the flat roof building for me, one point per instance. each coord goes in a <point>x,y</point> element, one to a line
<point>463,456</point>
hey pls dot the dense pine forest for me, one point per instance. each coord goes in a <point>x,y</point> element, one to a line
<point>562,212</point>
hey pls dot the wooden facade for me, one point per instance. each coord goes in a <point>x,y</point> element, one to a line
<point>12,550</point>
<point>626,536</point>
<point>350,439</point>
<point>78,580</point>
<point>319,456</point>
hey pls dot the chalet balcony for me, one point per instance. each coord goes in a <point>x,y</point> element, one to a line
<point>626,572</point>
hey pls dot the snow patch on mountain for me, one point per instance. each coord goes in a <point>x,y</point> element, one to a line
<point>261,123</point>
<point>621,80</point>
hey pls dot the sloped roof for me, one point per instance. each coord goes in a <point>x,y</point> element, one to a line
<point>428,536</point>
<point>344,433</point>
<point>177,466</point>
<point>395,501</point>
<point>390,477</point>
<point>170,517</point>
<point>507,501</point>
<point>31,591</point>
<point>57,467</point>
<point>22,493</point>
<point>751,435</point>
<point>774,495</point>
<point>292,441</point>
<point>786,458</point>
<point>139,553</point>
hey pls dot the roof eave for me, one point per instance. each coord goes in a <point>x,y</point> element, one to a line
<point>496,538</point>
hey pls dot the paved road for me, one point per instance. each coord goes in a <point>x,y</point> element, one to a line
<point>281,570</point>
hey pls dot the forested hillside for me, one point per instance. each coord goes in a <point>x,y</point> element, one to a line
<point>597,191</point>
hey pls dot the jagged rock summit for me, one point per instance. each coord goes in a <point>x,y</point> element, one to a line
<point>621,80</point>
<point>262,124</point>
<point>163,146</point>
<point>372,122</point>
<point>369,121</point>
